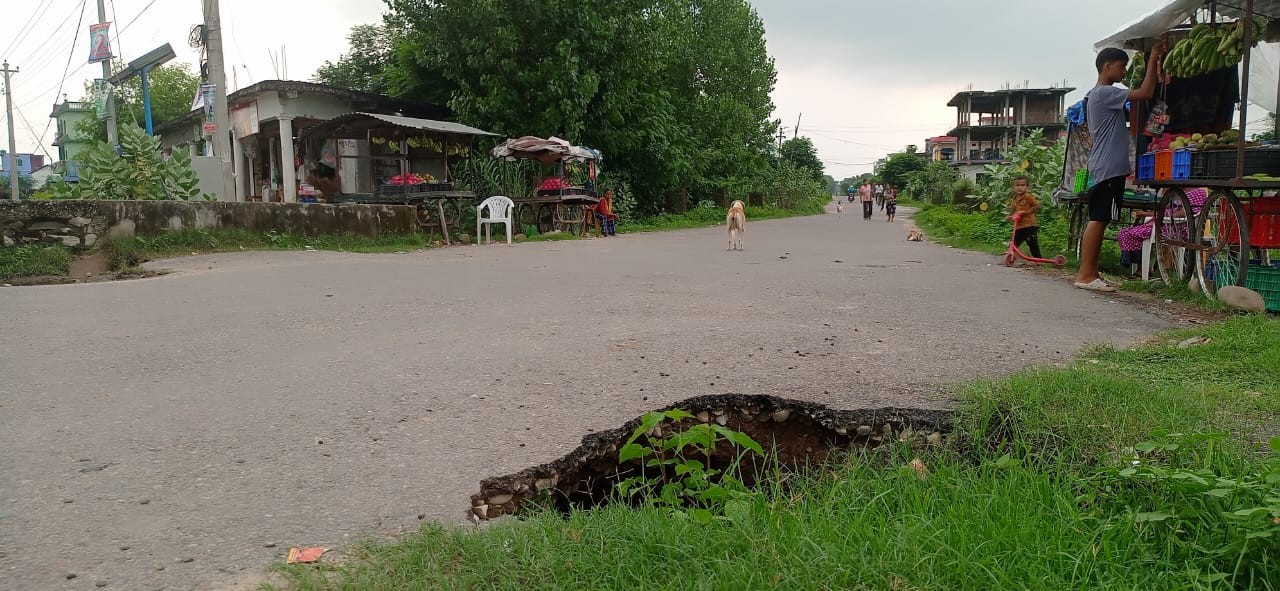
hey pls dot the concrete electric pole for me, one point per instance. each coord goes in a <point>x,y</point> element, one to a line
<point>113,139</point>
<point>218,78</point>
<point>13,142</point>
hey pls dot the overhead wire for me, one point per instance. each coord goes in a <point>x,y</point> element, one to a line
<point>37,59</point>
<point>70,55</point>
<point>40,140</point>
<point>25,31</point>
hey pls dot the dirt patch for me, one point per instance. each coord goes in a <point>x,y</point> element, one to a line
<point>798,432</point>
<point>88,268</point>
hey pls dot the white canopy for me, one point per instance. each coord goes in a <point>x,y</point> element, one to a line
<point>1264,65</point>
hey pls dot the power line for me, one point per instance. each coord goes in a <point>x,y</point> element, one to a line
<point>71,54</point>
<point>26,27</point>
<point>38,58</point>
<point>40,140</point>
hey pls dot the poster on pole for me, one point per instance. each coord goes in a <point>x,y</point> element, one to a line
<point>100,43</point>
<point>207,98</point>
<point>102,98</point>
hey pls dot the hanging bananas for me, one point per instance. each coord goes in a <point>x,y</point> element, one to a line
<point>1210,47</point>
<point>1137,71</point>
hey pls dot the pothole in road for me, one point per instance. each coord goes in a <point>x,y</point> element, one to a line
<point>798,433</point>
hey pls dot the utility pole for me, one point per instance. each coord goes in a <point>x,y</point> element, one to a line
<point>13,142</point>
<point>797,131</point>
<point>113,139</point>
<point>218,78</point>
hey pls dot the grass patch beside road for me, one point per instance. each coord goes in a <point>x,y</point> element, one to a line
<point>1135,469</point>
<point>126,253</point>
<point>34,261</point>
<point>990,232</point>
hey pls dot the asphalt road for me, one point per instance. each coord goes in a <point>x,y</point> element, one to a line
<point>183,431</point>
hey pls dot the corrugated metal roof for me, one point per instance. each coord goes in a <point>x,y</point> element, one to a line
<point>426,124</point>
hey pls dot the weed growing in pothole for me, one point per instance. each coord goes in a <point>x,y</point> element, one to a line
<point>678,472</point>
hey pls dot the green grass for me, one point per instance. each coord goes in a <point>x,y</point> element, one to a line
<point>1045,505</point>
<point>34,261</point>
<point>1178,292</point>
<point>125,253</point>
<point>990,232</point>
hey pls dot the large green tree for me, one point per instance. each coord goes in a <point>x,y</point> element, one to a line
<point>674,92</point>
<point>367,64</point>
<point>897,168</point>
<point>800,152</point>
<point>172,89</point>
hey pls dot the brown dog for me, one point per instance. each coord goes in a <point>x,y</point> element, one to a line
<point>915,235</point>
<point>737,222</point>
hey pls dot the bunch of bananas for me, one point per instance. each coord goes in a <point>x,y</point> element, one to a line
<point>1210,47</point>
<point>1137,71</point>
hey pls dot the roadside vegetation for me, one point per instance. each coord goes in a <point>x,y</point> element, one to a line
<point>1149,468</point>
<point>34,261</point>
<point>127,253</point>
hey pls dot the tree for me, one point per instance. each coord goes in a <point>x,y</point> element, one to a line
<point>801,153</point>
<point>367,63</point>
<point>25,187</point>
<point>934,182</point>
<point>833,186</point>
<point>674,92</point>
<point>896,167</point>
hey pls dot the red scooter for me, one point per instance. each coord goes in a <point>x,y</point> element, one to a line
<point>1012,255</point>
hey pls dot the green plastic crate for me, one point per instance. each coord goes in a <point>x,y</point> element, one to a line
<point>1264,280</point>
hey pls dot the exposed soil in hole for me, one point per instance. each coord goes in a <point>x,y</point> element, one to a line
<point>800,433</point>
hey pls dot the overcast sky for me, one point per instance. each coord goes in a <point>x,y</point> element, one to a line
<point>865,77</point>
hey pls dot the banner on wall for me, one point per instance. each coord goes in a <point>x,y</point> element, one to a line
<point>100,43</point>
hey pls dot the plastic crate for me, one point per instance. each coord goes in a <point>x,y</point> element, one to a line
<point>1146,167</point>
<point>1164,165</point>
<point>1081,181</point>
<point>1264,223</point>
<point>1182,164</point>
<point>1264,280</point>
<point>1221,164</point>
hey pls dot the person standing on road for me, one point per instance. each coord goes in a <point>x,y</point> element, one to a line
<point>868,206</point>
<point>890,204</point>
<point>1109,159</point>
<point>879,192</point>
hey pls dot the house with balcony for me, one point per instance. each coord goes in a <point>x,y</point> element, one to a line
<point>941,148</point>
<point>69,115</point>
<point>988,123</point>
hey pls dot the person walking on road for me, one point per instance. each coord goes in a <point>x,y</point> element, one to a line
<point>868,205</point>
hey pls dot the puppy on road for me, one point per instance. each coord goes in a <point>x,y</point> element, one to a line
<point>737,222</point>
<point>839,207</point>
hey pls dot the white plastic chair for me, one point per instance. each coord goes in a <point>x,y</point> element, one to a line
<point>500,212</point>
<point>1148,246</point>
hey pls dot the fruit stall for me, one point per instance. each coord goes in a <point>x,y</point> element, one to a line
<point>556,203</point>
<point>406,161</point>
<point>1195,134</point>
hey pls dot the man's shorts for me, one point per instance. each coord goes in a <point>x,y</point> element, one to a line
<point>1105,198</point>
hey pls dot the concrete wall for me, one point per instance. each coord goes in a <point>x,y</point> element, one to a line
<point>84,223</point>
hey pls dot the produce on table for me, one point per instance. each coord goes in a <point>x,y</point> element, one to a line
<point>1227,139</point>
<point>553,184</point>
<point>1210,47</point>
<point>412,179</point>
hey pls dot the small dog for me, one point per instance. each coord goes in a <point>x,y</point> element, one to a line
<point>839,207</point>
<point>915,235</point>
<point>737,223</point>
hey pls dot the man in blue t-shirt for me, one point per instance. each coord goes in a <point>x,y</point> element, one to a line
<point>1109,160</point>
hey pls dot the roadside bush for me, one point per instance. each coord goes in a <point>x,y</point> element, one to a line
<point>139,171</point>
<point>34,261</point>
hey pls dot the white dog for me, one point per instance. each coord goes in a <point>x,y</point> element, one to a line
<point>839,207</point>
<point>737,223</point>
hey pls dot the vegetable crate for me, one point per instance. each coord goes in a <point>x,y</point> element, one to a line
<point>1264,223</point>
<point>1264,280</point>
<point>1164,165</point>
<point>1146,167</point>
<point>1221,164</point>
<point>1182,164</point>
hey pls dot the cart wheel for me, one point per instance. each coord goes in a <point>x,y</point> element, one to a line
<point>546,216</point>
<point>1078,219</point>
<point>524,216</point>
<point>1174,221</point>
<point>1060,261</point>
<point>1009,259</point>
<point>1224,229</point>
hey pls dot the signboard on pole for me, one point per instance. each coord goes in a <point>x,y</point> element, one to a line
<point>100,43</point>
<point>102,96</point>
<point>207,98</point>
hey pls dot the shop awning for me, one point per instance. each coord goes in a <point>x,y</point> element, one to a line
<point>545,150</point>
<point>356,125</point>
